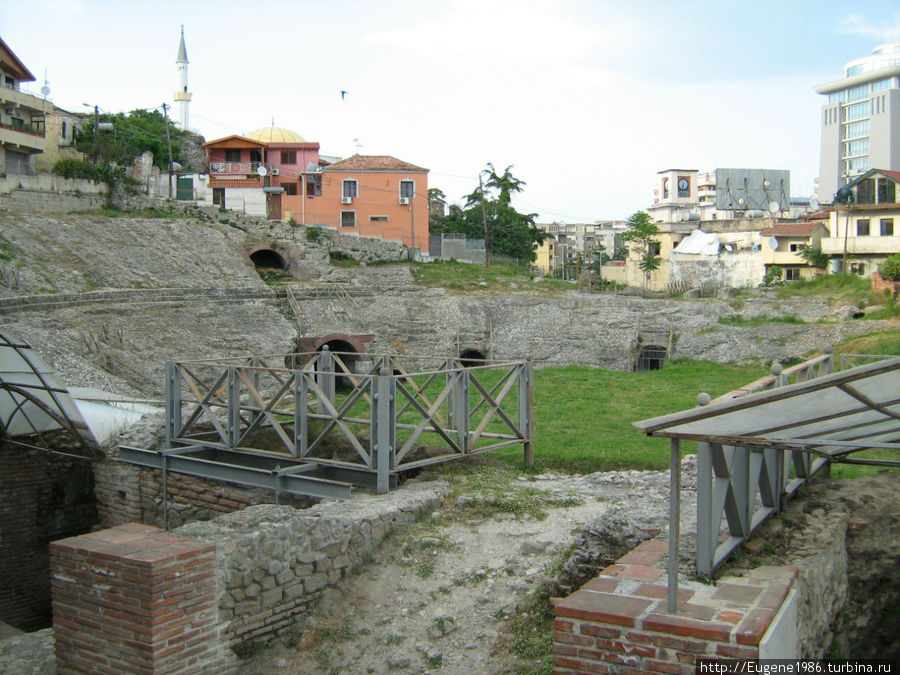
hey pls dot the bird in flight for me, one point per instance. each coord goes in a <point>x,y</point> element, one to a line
<point>343,94</point>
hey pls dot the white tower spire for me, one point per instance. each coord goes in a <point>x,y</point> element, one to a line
<point>182,95</point>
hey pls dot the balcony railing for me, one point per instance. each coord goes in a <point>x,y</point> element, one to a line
<point>234,167</point>
<point>23,129</point>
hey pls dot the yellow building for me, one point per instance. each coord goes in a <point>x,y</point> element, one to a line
<point>21,114</point>
<point>864,231</point>
<point>782,244</point>
<point>546,255</point>
<point>60,129</point>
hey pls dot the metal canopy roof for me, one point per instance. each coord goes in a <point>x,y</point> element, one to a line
<point>833,416</point>
<point>33,401</point>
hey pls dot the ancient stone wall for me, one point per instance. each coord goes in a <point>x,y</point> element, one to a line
<point>273,560</point>
<point>43,496</point>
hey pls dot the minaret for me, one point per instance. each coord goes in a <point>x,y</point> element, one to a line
<point>182,95</point>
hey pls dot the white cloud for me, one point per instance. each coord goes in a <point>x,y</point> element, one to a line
<point>859,24</point>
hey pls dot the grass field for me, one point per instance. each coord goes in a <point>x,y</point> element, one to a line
<point>583,416</point>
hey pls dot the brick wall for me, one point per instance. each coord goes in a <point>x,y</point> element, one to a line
<point>43,496</point>
<point>134,599</point>
<point>618,622</point>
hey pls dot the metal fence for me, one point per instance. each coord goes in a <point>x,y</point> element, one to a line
<point>372,419</point>
<point>748,485</point>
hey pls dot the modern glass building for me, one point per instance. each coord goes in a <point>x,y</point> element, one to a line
<point>861,120</point>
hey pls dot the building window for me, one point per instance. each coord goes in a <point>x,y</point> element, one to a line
<point>407,189</point>
<point>887,227</point>
<point>350,188</point>
<point>855,148</point>
<point>858,268</point>
<point>881,84</point>
<point>684,186</point>
<point>858,111</point>
<point>290,189</point>
<point>887,191</point>
<point>314,186</point>
<point>837,97</point>
<point>795,248</point>
<point>378,219</point>
<point>288,156</point>
<point>792,274</point>
<point>232,155</point>
<point>858,93</point>
<point>862,228</point>
<point>865,192</point>
<point>857,165</point>
<point>348,218</point>
<point>654,248</point>
<point>856,130</point>
<point>255,155</point>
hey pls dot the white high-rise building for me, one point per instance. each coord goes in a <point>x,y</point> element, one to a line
<point>182,95</point>
<point>861,120</point>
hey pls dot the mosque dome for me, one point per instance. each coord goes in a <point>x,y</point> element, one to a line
<point>275,135</point>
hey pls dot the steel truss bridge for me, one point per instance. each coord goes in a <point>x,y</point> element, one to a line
<point>318,423</point>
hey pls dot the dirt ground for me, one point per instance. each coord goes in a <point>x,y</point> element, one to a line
<point>441,596</point>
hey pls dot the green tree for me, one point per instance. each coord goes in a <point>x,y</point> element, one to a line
<point>131,135</point>
<point>510,233</point>
<point>642,232</point>
<point>813,256</point>
<point>890,268</point>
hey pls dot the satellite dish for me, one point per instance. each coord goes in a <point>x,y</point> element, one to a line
<point>814,204</point>
<point>741,201</point>
<point>774,207</point>
<point>261,170</point>
<point>773,243</point>
<point>312,166</point>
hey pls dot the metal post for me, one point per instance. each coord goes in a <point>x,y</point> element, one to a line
<point>383,419</point>
<point>674,521</point>
<point>301,412</point>
<point>165,490</point>
<point>325,371</point>
<point>461,408</point>
<point>526,399</point>
<point>173,402</point>
<point>234,407</point>
<point>706,536</point>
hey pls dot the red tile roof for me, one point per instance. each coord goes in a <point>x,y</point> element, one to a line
<point>793,228</point>
<point>374,163</point>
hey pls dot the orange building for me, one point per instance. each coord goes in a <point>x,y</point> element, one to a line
<point>374,195</point>
<point>276,173</point>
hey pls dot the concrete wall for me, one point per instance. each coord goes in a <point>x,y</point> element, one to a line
<point>49,193</point>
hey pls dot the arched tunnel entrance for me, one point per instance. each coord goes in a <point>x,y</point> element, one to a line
<point>348,355</point>
<point>651,357</point>
<point>471,357</point>
<point>266,259</point>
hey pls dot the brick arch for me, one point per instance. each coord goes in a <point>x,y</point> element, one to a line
<point>357,343</point>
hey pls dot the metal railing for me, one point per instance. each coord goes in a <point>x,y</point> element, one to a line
<point>748,485</point>
<point>386,415</point>
<point>234,167</point>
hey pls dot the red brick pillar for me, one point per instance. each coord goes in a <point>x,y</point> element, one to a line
<point>134,599</point>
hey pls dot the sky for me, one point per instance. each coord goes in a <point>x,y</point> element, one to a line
<point>586,99</point>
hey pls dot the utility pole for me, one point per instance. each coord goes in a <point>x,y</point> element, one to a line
<point>169,144</point>
<point>487,254</point>
<point>412,224</point>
